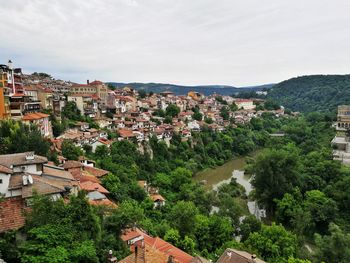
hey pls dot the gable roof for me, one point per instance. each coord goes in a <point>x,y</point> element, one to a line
<point>57,172</point>
<point>91,186</point>
<point>18,159</point>
<point>198,259</point>
<point>72,164</point>
<point>41,185</point>
<point>95,171</point>
<point>146,255</point>
<point>5,170</point>
<point>158,244</point>
<point>34,116</point>
<point>236,256</point>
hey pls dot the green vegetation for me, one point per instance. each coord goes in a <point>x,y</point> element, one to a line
<point>313,93</point>
<point>16,137</point>
<point>305,193</point>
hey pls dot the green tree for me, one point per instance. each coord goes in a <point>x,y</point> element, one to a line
<point>172,236</point>
<point>250,224</point>
<point>334,247</point>
<point>16,137</point>
<point>172,110</point>
<point>182,217</point>
<point>142,93</point>
<point>322,209</point>
<point>70,151</point>
<point>273,243</point>
<point>59,232</point>
<point>224,113</point>
<point>71,111</point>
<point>276,173</point>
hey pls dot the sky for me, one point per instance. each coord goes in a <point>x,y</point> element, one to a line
<point>188,42</point>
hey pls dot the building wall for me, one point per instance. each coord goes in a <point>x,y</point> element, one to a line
<point>5,178</point>
<point>4,102</point>
<point>78,101</point>
<point>12,214</point>
<point>29,168</point>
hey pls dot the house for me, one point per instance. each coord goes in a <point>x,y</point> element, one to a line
<point>139,242</point>
<point>153,193</point>
<point>158,200</point>
<point>125,134</point>
<point>23,174</point>
<point>41,120</point>
<point>198,259</point>
<point>236,256</point>
<point>245,104</point>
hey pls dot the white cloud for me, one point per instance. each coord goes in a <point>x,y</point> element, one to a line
<point>237,42</point>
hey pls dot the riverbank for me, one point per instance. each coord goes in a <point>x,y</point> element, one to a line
<point>214,177</point>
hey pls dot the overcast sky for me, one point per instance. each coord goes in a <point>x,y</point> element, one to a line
<point>234,42</point>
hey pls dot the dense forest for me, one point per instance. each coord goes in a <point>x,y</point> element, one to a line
<point>312,93</point>
<point>304,191</point>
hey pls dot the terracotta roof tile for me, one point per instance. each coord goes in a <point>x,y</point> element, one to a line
<point>5,170</point>
<point>91,186</point>
<point>95,171</point>
<point>72,164</point>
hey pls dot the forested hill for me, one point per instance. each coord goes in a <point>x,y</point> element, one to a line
<point>313,93</point>
<point>182,90</point>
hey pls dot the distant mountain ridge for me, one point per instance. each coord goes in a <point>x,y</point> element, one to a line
<point>313,93</point>
<point>224,90</point>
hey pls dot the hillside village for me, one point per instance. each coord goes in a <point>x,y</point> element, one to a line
<point>101,115</point>
<point>133,114</point>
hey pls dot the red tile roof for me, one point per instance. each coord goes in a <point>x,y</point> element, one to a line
<point>103,202</point>
<point>158,244</point>
<point>95,171</point>
<point>34,116</point>
<point>5,170</point>
<point>91,186</point>
<point>157,197</point>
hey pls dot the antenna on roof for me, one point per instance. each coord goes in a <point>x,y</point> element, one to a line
<point>30,179</point>
<point>25,180</point>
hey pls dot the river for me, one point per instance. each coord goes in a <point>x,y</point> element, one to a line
<point>223,174</point>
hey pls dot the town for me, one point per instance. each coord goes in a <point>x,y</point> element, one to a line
<point>94,115</point>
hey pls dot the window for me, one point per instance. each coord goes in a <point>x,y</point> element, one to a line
<point>39,167</point>
<point>0,181</point>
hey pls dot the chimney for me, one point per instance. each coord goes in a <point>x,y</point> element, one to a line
<point>29,156</point>
<point>170,259</point>
<point>136,251</point>
<point>88,82</point>
<point>253,258</point>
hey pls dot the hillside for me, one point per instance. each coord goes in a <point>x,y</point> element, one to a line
<point>313,93</point>
<point>181,90</point>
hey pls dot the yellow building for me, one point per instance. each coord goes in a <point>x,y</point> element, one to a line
<point>94,88</point>
<point>4,99</point>
<point>195,95</point>
<point>343,117</point>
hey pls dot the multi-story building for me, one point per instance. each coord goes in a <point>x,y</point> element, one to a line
<point>21,104</point>
<point>94,88</point>
<point>4,92</point>
<point>21,176</point>
<point>41,120</point>
<point>86,103</point>
<point>343,117</point>
<point>245,104</point>
<point>341,142</point>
